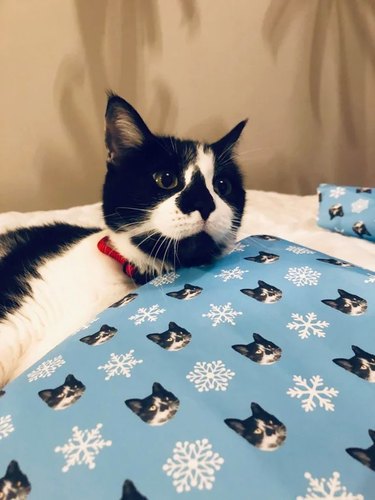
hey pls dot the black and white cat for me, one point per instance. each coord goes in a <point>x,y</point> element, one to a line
<point>65,395</point>
<point>187,293</point>
<point>347,303</point>
<point>364,190</point>
<point>361,364</point>
<point>130,492</point>
<point>264,258</point>
<point>125,300</point>
<point>365,456</point>
<point>336,211</point>
<point>265,293</point>
<point>103,335</point>
<point>156,409</point>
<point>261,429</point>
<point>173,339</point>
<point>15,485</point>
<point>166,203</point>
<point>336,262</point>
<point>360,229</point>
<point>261,351</point>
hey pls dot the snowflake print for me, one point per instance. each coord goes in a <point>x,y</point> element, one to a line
<point>302,276</point>
<point>82,447</point>
<point>210,376</point>
<point>193,465</point>
<point>314,391</point>
<point>222,314</point>
<point>370,279</point>
<point>239,247</point>
<point>307,326</point>
<point>46,368</point>
<point>231,274</point>
<point>337,192</point>
<point>299,250</point>
<point>6,426</point>
<point>120,364</point>
<point>359,206</point>
<point>147,314</point>
<point>166,279</point>
<point>328,489</point>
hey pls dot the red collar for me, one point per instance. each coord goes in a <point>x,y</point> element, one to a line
<point>104,247</point>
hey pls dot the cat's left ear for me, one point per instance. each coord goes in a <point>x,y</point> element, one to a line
<point>225,145</point>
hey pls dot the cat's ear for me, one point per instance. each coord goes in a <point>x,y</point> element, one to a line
<point>45,394</point>
<point>87,340</point>
<point>248,291</point>
<point>157,388</point>
<point>155,337</point>
<point>242,349</point>
<point>344,363</point>
<point>70,379</point>
<point>125,129</point>
<point>13,468</point>
<point>259,339</point>
<point>344,294</point>
<point>256,409</point>
<point>371,433</point>
<point>173,294</point>
<point>360,455</point>
<point>359,352</point>
<point>173,327</point>
<point>235,424</point>
<point>263,284</point>
<point>330,302</point>
<point>134,404</point>
<point>129,491</point>
<point>225,145</point>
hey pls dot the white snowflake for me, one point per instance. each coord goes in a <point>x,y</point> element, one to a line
<point>328,489</point>
<point>222,314</point>
<point>147,314</point>
<point>337,192</point>
<point>371,278</point>
<point>231,274</point>
<point>359,206</point>
<point>338,230</point>
<point>120,364</point>
<point>193,465</point>
<point>165,279</point>
<point>323,395</point>
<point>46,368</point>
<point>302,276</point>
<point>82,447</point>
<point>6,426</point>
<point>210,376</point>
<point>87,325</point>
<point>307,326</point>
<point>238,247</point>
<point>299,250</point>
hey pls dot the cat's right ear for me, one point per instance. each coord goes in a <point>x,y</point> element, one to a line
<point>134,404</point>
<point>258,338</point>
<point>125,129</point>
<point>360,455</point>
<point>13,468</point>
<point>344,363</point>
<point>235,424</point>
<point>224,146</point>
<point>45,394</point>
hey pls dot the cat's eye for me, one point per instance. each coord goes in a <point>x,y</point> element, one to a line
<point>258,431</point>
<point>346,305</point>
<point>165,179</point>
<point>363,367</point>
<point>152,408</point>
<point>222,186</point>
<point>258,351</point>
<point>169,339</point>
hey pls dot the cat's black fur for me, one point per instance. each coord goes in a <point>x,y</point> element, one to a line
<point>266,237</point>
<point>265,293</point>
<point>65,395</point>
<point>264,258</point>
<point>360,229</point>
<point>187,293</point>
<point>347,303</point>
<point>336,262</point>
<point>130,492</point>
<point>15,485</point>
<point>365,456</point>
<point>261,351</point>
<point>103,335</point>
<point>261,429</point>
<point>336,211</point>
<point>156,409</point>
<point>173,339</point>
<point>125,300</point>
<point>361,364</point>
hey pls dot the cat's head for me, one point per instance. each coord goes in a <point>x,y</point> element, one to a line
<point>264,258</point>
<point>361,364</point>
<point>336,211</point>
<point>178,202</point>
<point>173,339</point>
<point>187,293</point>
<point>103,335</point>
<point>261,351</point>
<point>360,228</point>
<point>264,293</point>
<point>15,484</point>
<point>65,395</point>
<point>347,303</point>
<point>365,456</point>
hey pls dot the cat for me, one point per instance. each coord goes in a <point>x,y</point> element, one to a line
<point>65,395</point>
<point>261,429</point>
<point>103,335</point>
<point>156,409</point>
<point>360,229</point>
<point>364,190</point>
<point>336,262</point>
<point>266,237</point>
<point>365,456</point>
<point>187,293</point>
<point>347,303</point>
<point>261,351</point>
<point>173,339</point>
<point>15,484</point>
<point>130,492</point>
<point>167,203</point>
<point>361,364</point>
<point>264,258</point>
<point>336,211</point>
<point>125,300</point>
<point>265,293</point>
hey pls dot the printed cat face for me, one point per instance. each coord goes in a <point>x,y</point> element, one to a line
<point>348,303</point>
<point>336,211</point>
<point>15,484</point>
<point>361,364</point>
<point>261,351</point>
<point>264,258</point>
<point>365,456</point>
<point>187,293</point>
<point>262,430</point>
<point>65,395</point>
<point>364,190</point>
<point>173,339</point>
<point>125,300</point>
<point>266,237</point>
<point>265,293</point>
<point>336,262</point>
<point>156,409</point>
<point>103,335</point>
<point>177,201</point>
<point>130,492</point>
<point>360,229</point>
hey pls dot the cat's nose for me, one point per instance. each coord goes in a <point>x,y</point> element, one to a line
<point>205,207</point>
<point>196,197</point>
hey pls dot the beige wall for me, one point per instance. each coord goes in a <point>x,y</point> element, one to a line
<point>301,70</point>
